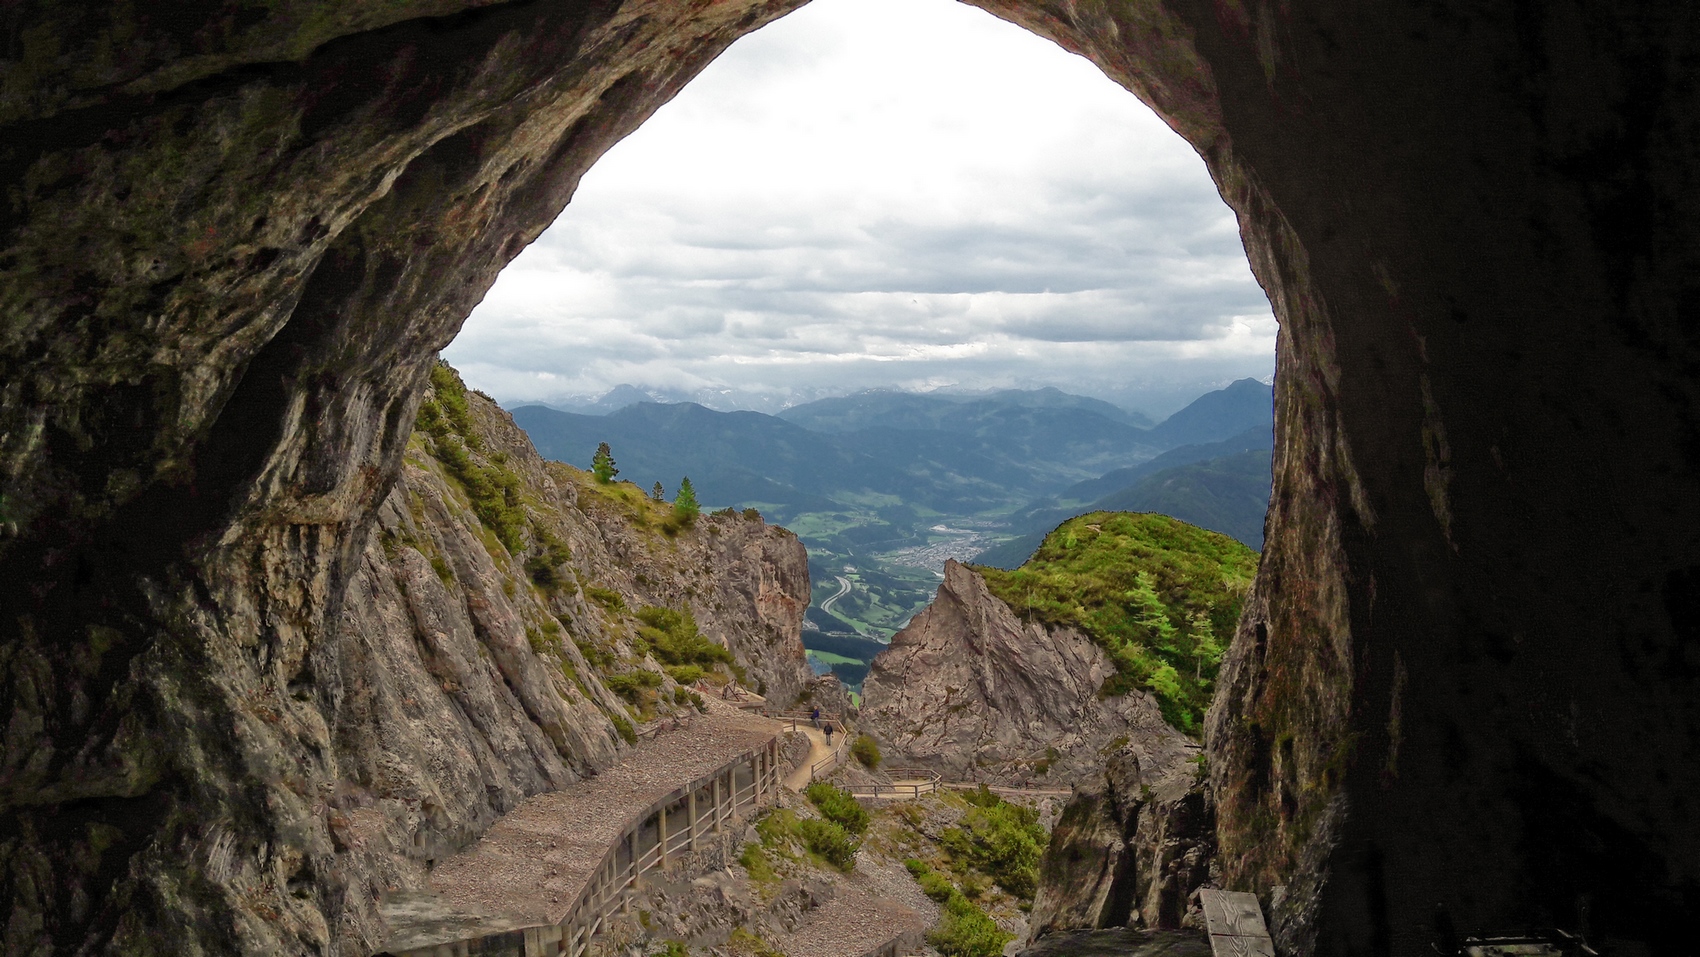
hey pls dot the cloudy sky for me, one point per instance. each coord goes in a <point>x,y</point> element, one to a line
<point>883,193</point>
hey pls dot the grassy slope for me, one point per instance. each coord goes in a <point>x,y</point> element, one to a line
<point>1161,596</point>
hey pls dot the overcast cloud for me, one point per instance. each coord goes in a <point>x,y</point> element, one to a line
<point>875,193</point>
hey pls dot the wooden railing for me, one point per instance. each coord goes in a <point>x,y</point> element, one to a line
<point>832,760</point>
<point>610,888</point>
<point>729,795</point>
<point>908,783</point>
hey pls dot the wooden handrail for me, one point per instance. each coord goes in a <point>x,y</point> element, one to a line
<point>595,900</point>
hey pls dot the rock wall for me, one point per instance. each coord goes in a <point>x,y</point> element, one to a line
<point>465,686</point>
<point>1130,849</point>
<point>970,690</point>
<point>236,233</point>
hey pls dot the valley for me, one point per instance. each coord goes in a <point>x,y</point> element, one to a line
<point>884,487</point>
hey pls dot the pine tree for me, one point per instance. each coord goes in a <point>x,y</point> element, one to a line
<point>658,493</point>
<point>685,507</point>
<point>602,464</point>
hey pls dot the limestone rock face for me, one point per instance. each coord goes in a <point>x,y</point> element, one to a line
<point>465,688</point>
<point>745,581</point>
<point>970,690</point>
<point>1129,850</point>
<point>235,236</point>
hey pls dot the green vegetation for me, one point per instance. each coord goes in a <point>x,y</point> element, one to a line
<point>1001,840</point>
<point>632,685</point>
<point>673,948</point>
<point>777,828</point>
<point>543,567</point>
<point>685,506</point>
<point>602,464</point>
<point>492,487</point>
<point>624,726</point>
<point>743,943</point>
<point>673,638</point>
<point>780,829</point>
<point>837,806</point>
<point>606,597</point>
<point>964,929</point>
<point>866,750</point>
<point>832,842</point>
<point>1160,596</point>
<point>755,861</point>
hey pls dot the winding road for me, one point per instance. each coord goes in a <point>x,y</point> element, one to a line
<point>844,587</point>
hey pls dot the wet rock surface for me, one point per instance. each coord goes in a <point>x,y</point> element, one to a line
<point>970,690</point>
<point>237,234</point>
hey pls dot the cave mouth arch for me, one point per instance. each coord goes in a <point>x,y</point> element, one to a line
<point>230,256</point>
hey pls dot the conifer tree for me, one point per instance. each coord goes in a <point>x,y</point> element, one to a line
<point>685,507</point>
<point>658,493</point>
<point>602,464</point>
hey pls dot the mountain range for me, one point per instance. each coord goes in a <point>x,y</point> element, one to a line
<point>883,486</point>
<point>946,455</point>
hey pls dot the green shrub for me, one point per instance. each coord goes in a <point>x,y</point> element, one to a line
<point>495,491</point>
<point>916,866</point>
<point>673,948</point>
<point>606,597</point>
<point>1000,839</point>
<point>593,653</point>
<point>936,885</point>
<point>624,727</point>
<point>541,643</point>
<point>837,806</point>
<point>543,566</point>
<point>866,750</point>
<point>684,674</point>
<point>673,638</point>
<point>632,684</point>
<point>830,841</point>
<point>965,931</point>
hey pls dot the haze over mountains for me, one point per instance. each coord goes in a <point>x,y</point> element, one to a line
<point>883,486</point>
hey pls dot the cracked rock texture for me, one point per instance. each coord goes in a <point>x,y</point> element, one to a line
<point>235,234</point>
<point>1130,848</point>
<point>973,692</point>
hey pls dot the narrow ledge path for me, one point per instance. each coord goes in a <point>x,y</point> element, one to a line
<point>535,861</point>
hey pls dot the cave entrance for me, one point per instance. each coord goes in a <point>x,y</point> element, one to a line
<point>894,195</point>
<point>1467,672</point>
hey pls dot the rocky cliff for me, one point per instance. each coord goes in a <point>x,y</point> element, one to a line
<point>971,690</point>
<point>495,606</point>
<point>1130,848</point>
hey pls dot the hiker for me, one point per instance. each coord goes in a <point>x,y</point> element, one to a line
<point>828,734</point>
<point>814,717</point>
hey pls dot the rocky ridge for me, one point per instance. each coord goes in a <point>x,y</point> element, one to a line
<point>970,690</point>
<point>468,686</point>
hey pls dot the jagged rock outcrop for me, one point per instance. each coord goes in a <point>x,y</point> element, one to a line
<point>235,236</point>
<point>1130,849</point>
<point>979,695</point>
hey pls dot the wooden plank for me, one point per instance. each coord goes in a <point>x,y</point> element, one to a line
<point>1225,945</point>
<point>1232,913</point>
